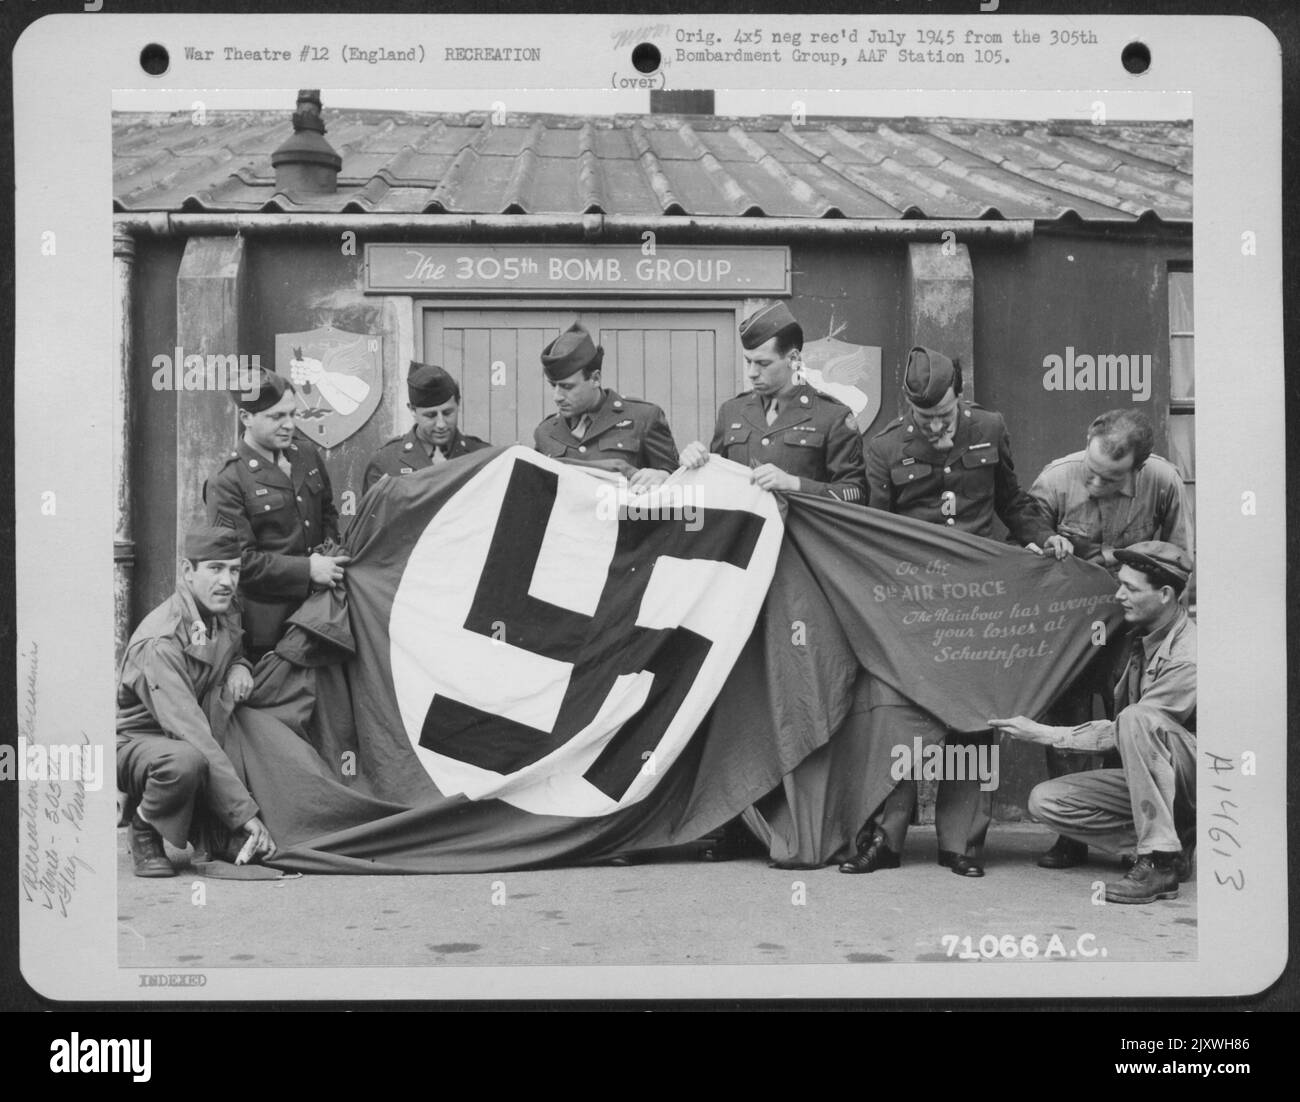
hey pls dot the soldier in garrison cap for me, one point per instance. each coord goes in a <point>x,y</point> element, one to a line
<point>274,491</point>
<point>434,400</point>
<point>175,774</point>
<point>794,438</point>
<point>598,427</point>
<point>1145,810</point>
<point>946,461</point>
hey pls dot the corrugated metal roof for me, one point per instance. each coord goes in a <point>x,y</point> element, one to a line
<point>647,165</point>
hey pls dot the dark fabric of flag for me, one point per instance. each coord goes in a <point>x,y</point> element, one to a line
<point>343,780</point>
<point>966,628</point>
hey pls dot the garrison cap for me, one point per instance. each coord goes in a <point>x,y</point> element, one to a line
<point>927,377</point>
<point>267,389</point>
<point>1157,555</point>
<point>571,351</point>
<point>429,385</point>
<point>765,323</point>
<point>208,542</point>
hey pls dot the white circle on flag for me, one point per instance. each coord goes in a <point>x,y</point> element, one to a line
<point>432,654</point>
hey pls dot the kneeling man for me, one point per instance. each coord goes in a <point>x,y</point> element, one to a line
<point>167,758</point>
<point>1147,807</point>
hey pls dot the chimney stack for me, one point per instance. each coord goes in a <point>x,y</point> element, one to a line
<point>306,162</point>
<point>681,101</point>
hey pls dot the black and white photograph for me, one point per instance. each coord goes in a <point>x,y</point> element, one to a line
<point>678,536</point>
<point>951,357</point>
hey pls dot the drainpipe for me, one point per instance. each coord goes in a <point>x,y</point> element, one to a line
<point>124,344</point>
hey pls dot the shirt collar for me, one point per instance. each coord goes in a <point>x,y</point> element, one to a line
<point>590,414</point>
<point>1159,640</point>
<point>429,449</point>
<point>204,651</point>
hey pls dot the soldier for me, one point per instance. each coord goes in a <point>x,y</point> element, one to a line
<point>1113,494</point>
<point>1147,806</point>
<point>167,760</point>
<point>793,437</point>
<point>596,427</point>
<point>274,491</point>
<point>946,461</point>
<point>434,400</point>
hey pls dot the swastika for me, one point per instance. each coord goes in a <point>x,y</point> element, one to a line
<point>601,647</point>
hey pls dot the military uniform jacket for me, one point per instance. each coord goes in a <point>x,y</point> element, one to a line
<point>814,437</point>
<point>905,475</point>
<point>1160,674</point>
<point>279,519</point>
<point>169,669</point>
<point>622,431</point>
<point>406,453</point>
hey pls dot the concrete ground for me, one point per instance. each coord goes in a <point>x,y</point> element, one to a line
<point>666,912</point>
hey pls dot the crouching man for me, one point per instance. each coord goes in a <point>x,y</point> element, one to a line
<point>167,759</point>
<point>1147,807</point>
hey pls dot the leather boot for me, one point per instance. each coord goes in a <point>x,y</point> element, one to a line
<point>1184,863</point>
<point>1152,877</point>
<point>147,853</point>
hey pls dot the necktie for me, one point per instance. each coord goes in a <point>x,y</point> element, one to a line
<point>282,461</point>
<point>438,456</point>
<point>771,411</point>
<point>580,429</point>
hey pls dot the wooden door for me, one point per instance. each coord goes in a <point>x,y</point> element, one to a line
<point>683,360</point>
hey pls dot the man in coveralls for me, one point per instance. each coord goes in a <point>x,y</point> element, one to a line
<point>1147,807</point>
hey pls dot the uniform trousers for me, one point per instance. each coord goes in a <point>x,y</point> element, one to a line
<point>167,776</point>
<point>1147,806</point>
<point>962,811</point>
